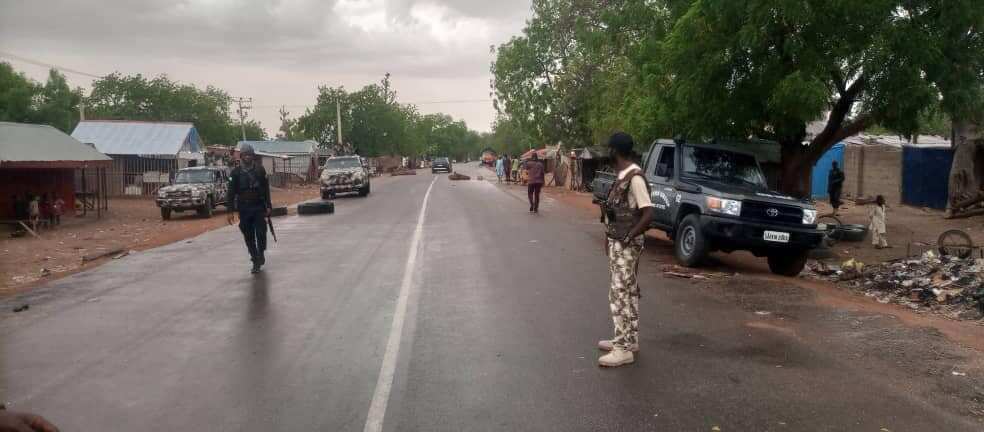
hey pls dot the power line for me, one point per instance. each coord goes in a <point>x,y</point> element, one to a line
<point>47,65</point>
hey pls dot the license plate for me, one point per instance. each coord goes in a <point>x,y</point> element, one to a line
<point>775,236</point>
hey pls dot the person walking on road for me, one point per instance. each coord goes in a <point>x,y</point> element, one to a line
<point>627,213</point>
<point>506,163</point>
<point>535,169</point>
<point>835,184</point>
<point>499,168</point>
<point>877,227</point>
<point>514,169</point>
<point>249,193</point>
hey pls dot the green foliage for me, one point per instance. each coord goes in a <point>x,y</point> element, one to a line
<point>374,123</point>
<point>25,101</point>
<point>133,97</point>
<point>741,68</point>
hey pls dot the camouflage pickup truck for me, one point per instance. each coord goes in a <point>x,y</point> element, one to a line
<point>198,188</point>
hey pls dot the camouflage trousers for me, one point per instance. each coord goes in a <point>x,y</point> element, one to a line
<point>623,295</point>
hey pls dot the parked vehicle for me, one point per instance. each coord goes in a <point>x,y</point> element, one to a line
<point>711,197</point>
<point>441,164</point>
<point>343,174</point>
<point>197,188</point>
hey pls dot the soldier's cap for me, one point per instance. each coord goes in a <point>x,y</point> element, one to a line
<point>247,149</point>
<point>621,142</point>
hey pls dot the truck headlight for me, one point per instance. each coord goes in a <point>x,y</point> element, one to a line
<point>725,206</point>
<point>809,217</point>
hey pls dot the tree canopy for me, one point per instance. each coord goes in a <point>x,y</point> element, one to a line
<point>736,69</point>
<point>25,101</point>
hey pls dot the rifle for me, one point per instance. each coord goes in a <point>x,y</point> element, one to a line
<point>272,232</point>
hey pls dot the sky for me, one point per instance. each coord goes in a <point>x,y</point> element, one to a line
<point>275,51</point>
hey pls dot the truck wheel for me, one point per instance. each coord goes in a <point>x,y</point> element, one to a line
<point>364,191</point>
<point>325,195</point>
<point>206,209</point>
<point>787,263</point>
<point>689,243</point>
<point>165,214</point>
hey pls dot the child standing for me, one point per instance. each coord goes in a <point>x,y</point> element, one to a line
<point>877,227</point>
<point>57,209</point>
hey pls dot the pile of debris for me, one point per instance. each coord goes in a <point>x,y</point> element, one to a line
<point>948,285</point>
<point>403,171</point>
<point>456,176</point>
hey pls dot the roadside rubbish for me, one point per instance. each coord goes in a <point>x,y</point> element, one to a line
<point>456,176</point>
<point>948,285</point>
<point>22,308</point>
<point>689,273</point>
<point>121,255</point>
<point>97,255</point>
<point>955,373</point>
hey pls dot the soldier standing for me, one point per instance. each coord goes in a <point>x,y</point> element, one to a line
<point>627,213</point>
<point>249,193</point>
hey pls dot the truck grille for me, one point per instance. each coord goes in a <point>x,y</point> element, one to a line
<point>771,213</point>
<point>179,194</point>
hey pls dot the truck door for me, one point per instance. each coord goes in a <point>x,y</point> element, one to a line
<point>664,195</point>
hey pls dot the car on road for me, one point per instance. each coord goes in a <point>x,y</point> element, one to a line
<point>714,197</point>
<point>344,174</point>
<point>196,188</point>
<point>441,164</point>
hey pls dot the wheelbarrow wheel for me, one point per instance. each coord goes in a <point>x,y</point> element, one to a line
<point>955,243</point>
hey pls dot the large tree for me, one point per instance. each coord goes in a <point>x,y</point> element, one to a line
<point>135,97</point>
<point>765,68</point>
<point>25,101</point>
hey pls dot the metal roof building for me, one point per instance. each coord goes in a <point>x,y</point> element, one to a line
<point>42,146</point>
<point>145,154</point>
<point>146,139</point>
<point>39,160</point>
<point>282,147</point>
<point>292,158</point>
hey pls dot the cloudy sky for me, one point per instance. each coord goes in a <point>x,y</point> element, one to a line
<point>275,51</point>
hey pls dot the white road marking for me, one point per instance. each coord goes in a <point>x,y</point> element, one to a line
<point>377,409</point>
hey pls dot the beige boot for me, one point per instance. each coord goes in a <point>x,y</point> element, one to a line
<point>607,345</point>
<point>616,358</point>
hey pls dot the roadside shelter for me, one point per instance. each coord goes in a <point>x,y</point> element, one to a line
<point>292,159</point>
<point>145,154</point>
<point>40,160</point>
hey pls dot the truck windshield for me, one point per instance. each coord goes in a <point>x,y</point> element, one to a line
<point>196,176</point>
<point>722,166</point>
<point>343,163</point>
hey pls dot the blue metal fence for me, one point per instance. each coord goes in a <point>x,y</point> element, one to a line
<point>926,176</point>
<point>822,168</point>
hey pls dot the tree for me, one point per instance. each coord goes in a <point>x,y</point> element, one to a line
<point>160,99</point>
<point>57,104</point>
<point>765,68</point>
<point>16,95</point>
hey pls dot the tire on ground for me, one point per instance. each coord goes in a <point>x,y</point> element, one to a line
<point>278,211</point>
<point>787,263</point>
<point>850,232</point>
<point>689,244</point>
<point>315,207</point>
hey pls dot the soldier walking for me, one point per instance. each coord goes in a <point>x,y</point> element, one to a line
<point>627,213</point>
<point>249,193</point>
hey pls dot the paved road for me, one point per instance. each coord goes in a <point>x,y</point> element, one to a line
<point>497,317</point>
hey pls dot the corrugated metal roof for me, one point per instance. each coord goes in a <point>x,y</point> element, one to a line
<point>20,142</point>
<point>281,146</point>
<point>138,138</point>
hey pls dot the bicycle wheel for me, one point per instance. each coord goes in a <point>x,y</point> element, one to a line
<point>955,243</point>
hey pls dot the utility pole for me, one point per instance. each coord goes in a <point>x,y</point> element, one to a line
<point>338,121</point>
<point>245,104</point>
<point>82,110</point>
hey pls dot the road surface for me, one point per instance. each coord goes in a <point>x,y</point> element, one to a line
<point>490,323</point>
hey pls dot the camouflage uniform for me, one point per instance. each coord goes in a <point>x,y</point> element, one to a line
<point>623,295</point>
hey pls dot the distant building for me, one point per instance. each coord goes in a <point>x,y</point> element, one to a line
<point>287,158</point>
<point>43,161</point>
<point>145,154</point>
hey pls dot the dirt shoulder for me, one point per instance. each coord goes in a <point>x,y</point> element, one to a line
<point>916,225</point>
<point>130,224</point>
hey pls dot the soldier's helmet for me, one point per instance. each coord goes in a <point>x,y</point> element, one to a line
<point>247,149</point>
